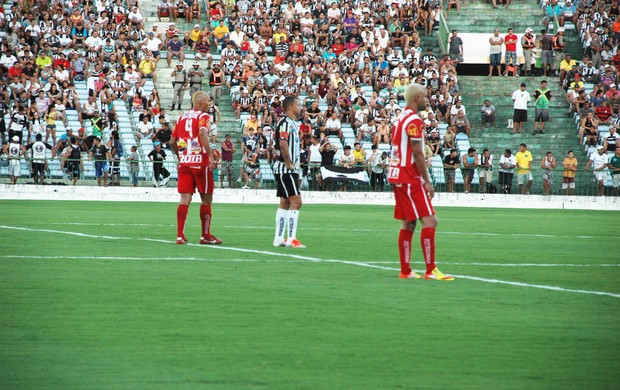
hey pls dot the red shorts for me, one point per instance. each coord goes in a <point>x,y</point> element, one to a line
<point>412,202</point>
<point>192,179</point>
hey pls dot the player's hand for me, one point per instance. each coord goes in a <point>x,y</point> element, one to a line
<point>428,186</point>
<point>290,166</point>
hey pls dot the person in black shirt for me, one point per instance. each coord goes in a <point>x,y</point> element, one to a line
<point>99,153</point>
<point>328,152</point>
<point>450,165</point>
<point>157,156</point>
<point>163,135</point>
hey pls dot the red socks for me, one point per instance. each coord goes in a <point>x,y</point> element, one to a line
<point>404,250</point>
<point>427,240</point>
<point>181,217</point>
<point>205,219</point>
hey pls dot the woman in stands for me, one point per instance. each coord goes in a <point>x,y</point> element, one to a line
<point>588,128</point>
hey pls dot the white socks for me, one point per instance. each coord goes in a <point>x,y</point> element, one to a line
<point>293,216</point>
<point>281,219</point>
<point>286,221</point>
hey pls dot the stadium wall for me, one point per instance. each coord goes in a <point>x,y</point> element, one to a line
<point>240,196</point>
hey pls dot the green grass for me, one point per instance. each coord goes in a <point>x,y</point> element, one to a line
<point>239,319</point>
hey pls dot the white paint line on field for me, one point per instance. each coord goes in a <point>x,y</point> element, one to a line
<point>314,259</point>
<point>512,264</point>
<point>133,258</point>
<point>440,232</point>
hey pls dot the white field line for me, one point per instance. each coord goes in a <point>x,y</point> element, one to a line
<point>313,259</point>
<point>511,265</point>
<point>324,229</point>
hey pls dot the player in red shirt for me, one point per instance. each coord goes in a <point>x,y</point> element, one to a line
<point>413,189</point>
<point>190,142</point>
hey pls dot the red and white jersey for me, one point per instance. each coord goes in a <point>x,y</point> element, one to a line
<point>402,166</point>
<point>187,134</point>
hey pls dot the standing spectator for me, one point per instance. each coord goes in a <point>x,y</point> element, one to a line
<point>74,164</point>
<point>157,157</point>
<point>216,80</point>
<point>116,149</point>
<point>528,44</point>
<point>495,51</point>
<point>614,167</point>
<point>99,153</point>
<point>469,163</point>
<point>610,142</point>
<point>568,175</point>
<point>547,164</point>
<point>487,113</point>
<point>180,82</point>
<point>485,171</point>
<point>598,161</point>
<point>510,58</point>
<point>450,165</point>
<point>456,47</point>
<point>521,98</point>
<point>133,160</point>
<point>542,96</point>
<point>524,169</point>
<point>546,44</point>
<point>15,151</point>
<point>507,164</point>
<point>195,76</point>
<point>228,150</point>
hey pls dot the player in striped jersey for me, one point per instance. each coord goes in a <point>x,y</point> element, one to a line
<point>413,189</point>
<point>286,173</point>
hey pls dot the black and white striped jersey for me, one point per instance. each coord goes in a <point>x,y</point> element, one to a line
<point>286,130</point>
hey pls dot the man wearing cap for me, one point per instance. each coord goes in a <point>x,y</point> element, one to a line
<point>193,37</point>
<point>521,98</point>
<point>15,150</point>
<point>598,162</point>
<point>216,80</point>
<point>175,50</point>
<point>527,43</point>
<point>153,44</point>
<point>558,48</point>
<point>195,78</point>
<point>179,83</point>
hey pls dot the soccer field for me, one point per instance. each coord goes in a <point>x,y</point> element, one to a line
<point>96,295</point>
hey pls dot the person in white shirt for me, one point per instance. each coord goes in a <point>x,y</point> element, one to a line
<point>333,126</point>
<point>521,99</point>
<point>400,70</point>
<point>94,41</point>
<point>598,162</point>
<point>145,128</point>
<point>507,164</point>
<point>237,36</point>
<point>367,132</point>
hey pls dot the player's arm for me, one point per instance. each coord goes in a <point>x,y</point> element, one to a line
<point>284,152</point>
<point>203,134</point>
<point>419,159</point>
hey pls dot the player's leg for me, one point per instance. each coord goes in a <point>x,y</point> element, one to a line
<point>407,214</point>
<point>281,213</point>
<point>186,188</point>
<point>291,182</point>
<point>205,188</point>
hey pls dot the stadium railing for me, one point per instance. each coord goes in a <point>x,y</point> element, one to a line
<point>442,35</point>
<point>357,181</point>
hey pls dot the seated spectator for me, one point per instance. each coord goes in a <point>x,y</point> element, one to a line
<point>603,113</point>
<point>487,113</point>
<point>460,123</point>
<point>368,132</point>
<point>588,128</point>
<point>359,154</point>
<point>145,129</point>
<point>175,50</point>
<point>333,126</point>
<point>434,142</point>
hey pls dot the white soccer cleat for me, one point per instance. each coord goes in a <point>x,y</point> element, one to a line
<point>279,243</point>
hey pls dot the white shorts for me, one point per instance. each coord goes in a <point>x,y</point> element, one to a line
<point>487,175</point>
<point>523,178</point>
<point>213,129</point>
<point>615,179</point>
<point>15,168</point>
<point>600,176</point>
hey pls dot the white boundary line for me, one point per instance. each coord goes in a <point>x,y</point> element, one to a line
<point>328,229</point>
<point>313,259</point>
<point>511,265</point>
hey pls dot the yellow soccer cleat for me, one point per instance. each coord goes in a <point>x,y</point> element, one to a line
<point>436,274</point>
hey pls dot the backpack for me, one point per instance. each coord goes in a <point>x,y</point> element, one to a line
<point>76,154</point>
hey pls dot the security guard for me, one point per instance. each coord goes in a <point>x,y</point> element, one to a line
<point>179,83</point>
<point>216,79</point>
<point>195,78</point>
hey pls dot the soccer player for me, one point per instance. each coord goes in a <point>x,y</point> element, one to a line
<point>190,142</point>
<point>287,144</point>
<point>413,189</point>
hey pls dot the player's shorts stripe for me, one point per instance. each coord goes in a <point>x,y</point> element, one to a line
<point>295,189</point>
<point>415,210</point>
<point>206,180</point>
<point>281,177</point>
<point>429,207</point>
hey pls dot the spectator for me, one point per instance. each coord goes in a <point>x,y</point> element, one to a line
<point>546,44</point>
<point>175,50</point>
<point>450,165</point>
<point>496,43</point>
<point>487,113</point>
<point>528,44</point>
<point>614,167</point>
<point>568,175</point>
<point>542,96</point>
<point>610,142</point>
<point>510,58</point>
<point>228,150</point>
<point>133,159</point>
<point>347,160</point>
<point>251,167</point>
<point>145,129</point>
<point>460,123</point>
<point>469,163</point>
<point>455,47</point>
<point>485,171</point>
<point>603,113</point>
<point>598,162</point>
<point>507,164</point>
<point>547,165</point>
<point>524,169</point>
<point>521,99</point>
<point>588,130</point>
<point>359,154</point>
<point>449,139</point>
<point>157,156</point>
<point>328,153</point>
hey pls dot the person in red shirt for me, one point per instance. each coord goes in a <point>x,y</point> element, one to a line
<point>510,40</point>
<point>603,113</point>
<point>413,189</point>
<point>15,71</point>
<point>338,47</point>
<point>62,60</point>
<point>190,142</point>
